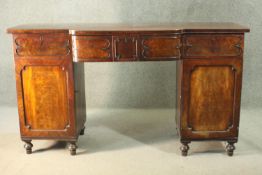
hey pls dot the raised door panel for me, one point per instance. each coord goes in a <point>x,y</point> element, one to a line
<point>211,98</point>
<point>45,97</point>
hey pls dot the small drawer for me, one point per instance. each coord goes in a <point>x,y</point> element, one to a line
<point>92,48</point>
<point>213,45</point>
<point>125,47</point>
<point>38,45</point>
<point>160,47</point>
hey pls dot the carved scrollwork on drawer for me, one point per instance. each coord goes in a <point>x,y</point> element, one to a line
<point>125,48</point>
<point>210,45</point>
<point>37,45</point>
<point>92,48</point>
<point>160,47</point>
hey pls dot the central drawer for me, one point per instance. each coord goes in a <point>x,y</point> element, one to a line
<point>126,47</point>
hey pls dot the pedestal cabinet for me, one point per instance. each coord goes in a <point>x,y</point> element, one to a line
<point>45,89</point>
<point>50,75</point>
<point>210,100</point>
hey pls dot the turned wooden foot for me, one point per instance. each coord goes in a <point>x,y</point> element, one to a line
<point>184,148</point>
<point>230,148</point>
<point>72,148</point>
<point>28,146</point>
<point>82,132</point>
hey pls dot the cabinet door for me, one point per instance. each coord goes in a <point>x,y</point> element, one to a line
<point>211,98</point>
<point>44,100</point>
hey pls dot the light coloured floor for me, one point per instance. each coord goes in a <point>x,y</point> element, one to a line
<point>131,142</point>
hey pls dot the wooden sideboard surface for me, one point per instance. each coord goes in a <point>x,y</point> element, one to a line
<point>50,75</point>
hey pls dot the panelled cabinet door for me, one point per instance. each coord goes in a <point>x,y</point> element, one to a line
<point>45,101</point>
<point>211,98</point>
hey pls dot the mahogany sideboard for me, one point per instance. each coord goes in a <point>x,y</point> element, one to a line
<point>50,75</point>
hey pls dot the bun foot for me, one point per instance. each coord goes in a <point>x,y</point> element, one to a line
<point>72,148</point>
<point>82,132</point>
<point>184,148</point>
<point>230,148</point>
<point>28,147</point>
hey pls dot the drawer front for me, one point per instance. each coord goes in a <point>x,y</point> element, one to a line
<point>160,47</point>
<point>213,45</point>
<point>41,45</point>
<point>125,48</point>
<point>92,48</point>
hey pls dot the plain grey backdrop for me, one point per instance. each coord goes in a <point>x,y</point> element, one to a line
<point>141,85</point>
